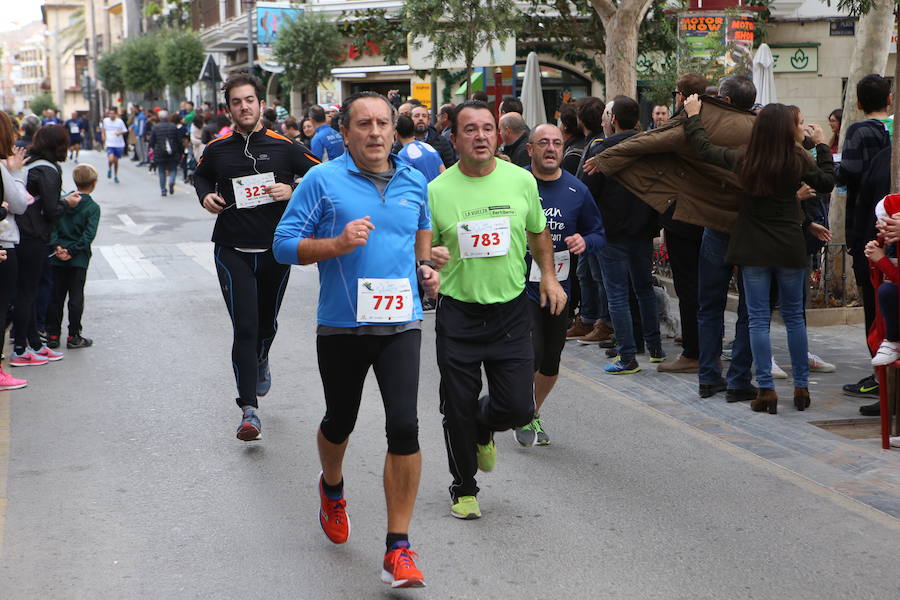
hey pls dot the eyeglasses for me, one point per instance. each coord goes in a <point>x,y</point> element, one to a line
<point>544,142</point>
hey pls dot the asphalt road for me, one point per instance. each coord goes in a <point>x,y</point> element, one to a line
<point>124,478</point>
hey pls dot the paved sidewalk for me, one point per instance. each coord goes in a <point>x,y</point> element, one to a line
<point>857,468</point>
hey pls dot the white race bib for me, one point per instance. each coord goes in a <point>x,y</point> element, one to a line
<point>486,237</point>
<point>560,262</point>
<point>250,190</point>
<point>383,300</point>
<point>73,128</point>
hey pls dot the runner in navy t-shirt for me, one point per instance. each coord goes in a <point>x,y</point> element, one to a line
<point>575,227</point>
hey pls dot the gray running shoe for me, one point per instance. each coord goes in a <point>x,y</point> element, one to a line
<point>542,438</point>
<point>526,436</point>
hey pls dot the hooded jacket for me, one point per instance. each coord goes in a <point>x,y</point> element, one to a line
<point>75,231</point>
<point>661,168</point>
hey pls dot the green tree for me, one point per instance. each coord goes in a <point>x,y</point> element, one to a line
<point>374,25</point>
<point>476,24</point>
<point>109,70</point>
<point>309,46</point>
<point>180,58</point>
<point>42,102</point>
<point>140,64</point>
<point>858,8</point>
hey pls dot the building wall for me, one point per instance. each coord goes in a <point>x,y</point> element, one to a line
<point>817,94</point>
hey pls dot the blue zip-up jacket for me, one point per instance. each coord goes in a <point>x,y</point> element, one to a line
<point>333,194</point>
<point>326,138</point>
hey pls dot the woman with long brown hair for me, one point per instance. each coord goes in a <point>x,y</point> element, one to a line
<point>767,241</point>
<point>13,201</point>
<point>44,183</point>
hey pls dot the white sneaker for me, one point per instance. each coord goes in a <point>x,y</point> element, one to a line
<point>817,365</point>
<point>887,353</point>
<point>777,372</point>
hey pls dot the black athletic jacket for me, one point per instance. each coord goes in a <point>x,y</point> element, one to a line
<point>45,184</point>
<point>224,159</point>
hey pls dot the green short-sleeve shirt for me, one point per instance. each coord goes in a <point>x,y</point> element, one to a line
<point>457,202</point>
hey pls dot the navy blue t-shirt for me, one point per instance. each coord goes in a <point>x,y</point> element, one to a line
<point>570,209</point>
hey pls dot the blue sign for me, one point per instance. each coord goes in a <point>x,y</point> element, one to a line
<point>271,17</point>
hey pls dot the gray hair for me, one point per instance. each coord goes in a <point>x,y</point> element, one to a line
<point>514,122</point>
<point>348,103</point>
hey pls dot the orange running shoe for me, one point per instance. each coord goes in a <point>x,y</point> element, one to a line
<point>333,516</point>
<point>400,569</point>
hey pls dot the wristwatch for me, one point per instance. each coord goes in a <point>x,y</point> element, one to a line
<point>427,263</point>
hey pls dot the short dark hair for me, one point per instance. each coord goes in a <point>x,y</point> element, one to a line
<point>414,102</point>
<point>344,115</point>
<point>476,104</point>
<point>511,104</point>
<point>51,142</point>
<point>480,96</point>
<point>626,111</point>
<point>590,113</point>
<point>291,123</point>
<point>189,102</point>
<point>446,109</point>
<point>740,89</point>
<point>239,79</point>
<point>317,113</point>
<point>568,118</point>
<point>270,115</point>
<point>405,126</point>
<point>691,83</point>
<point>872,91</point>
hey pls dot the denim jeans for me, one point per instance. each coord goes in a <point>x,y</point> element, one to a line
<point>618,262</point>
<point>757,283</point>
<point>594,303</point>
<point>167,165</point>
<point>713,278</point>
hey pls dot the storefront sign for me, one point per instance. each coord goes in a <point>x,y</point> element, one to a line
<point>422,93</point>
<point>842,27</point>
<point>796,59</point>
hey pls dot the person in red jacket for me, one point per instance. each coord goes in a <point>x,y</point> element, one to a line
<point>885,277</point>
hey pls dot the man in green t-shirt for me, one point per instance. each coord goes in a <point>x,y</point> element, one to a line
<point>485,211</point>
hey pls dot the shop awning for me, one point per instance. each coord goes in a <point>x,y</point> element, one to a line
<point>477,83</point>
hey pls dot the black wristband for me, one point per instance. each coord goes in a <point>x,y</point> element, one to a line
<point>426,263</point>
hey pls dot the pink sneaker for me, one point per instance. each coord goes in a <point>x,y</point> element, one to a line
<point>27,359</point>
<point>49,354</point>
<point>8,382</point>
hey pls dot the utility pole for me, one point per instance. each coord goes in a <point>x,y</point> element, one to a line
<point>94,100</point>
<point>250,4</point>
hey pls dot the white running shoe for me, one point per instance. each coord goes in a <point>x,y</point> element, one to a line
<point>817,365</point>
<point>887,353</point>
<point>777,371</point>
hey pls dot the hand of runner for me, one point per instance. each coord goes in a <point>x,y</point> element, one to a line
<point>590,166</point>
<point>2,254</point>
<point>73,199</point>
<point>820,232</point>
<point>805,192</point>
<point>214,203</point>
<point>692,105</point>
<point>281,192</point>
<point>552,294</point>
<point>575,243</point>
<point>440,256</point>
<point>431,281</point>
<point>356,233</point>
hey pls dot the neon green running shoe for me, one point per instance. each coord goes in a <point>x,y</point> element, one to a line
<point>466,507</point>
<point>542,438</point>
<point>486,455</point>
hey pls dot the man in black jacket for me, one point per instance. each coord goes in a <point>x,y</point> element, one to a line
<point>245,178</point>
<point>630,227</point>
<point>426,133</point>
<point>167,141</point>
<point>515,133</point>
